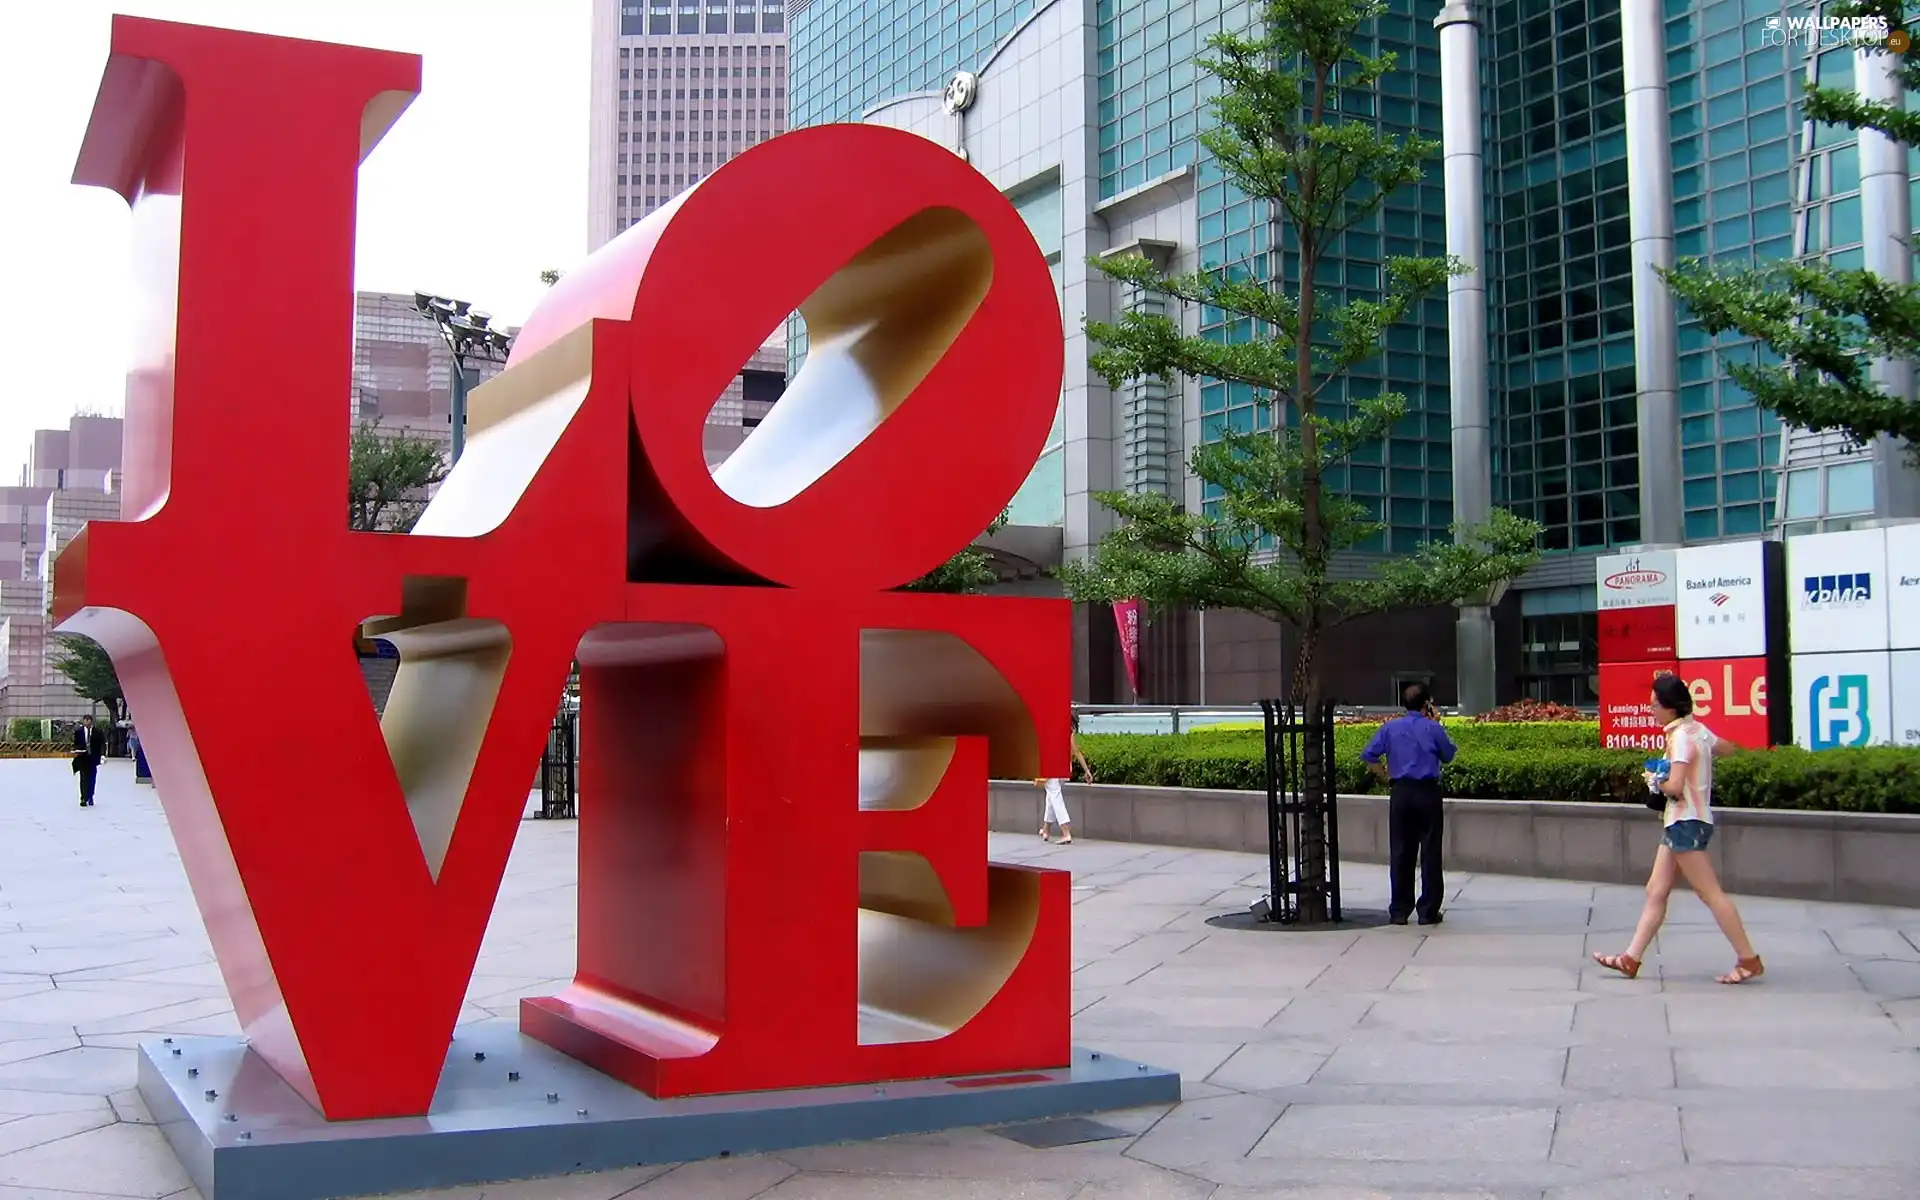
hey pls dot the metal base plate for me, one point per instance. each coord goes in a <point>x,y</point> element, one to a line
<point>1058,1132</point>
<point>511,1108</point>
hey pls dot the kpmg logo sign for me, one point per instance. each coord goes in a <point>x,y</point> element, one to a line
<point>1824,593</point>
<point>1837,706</point>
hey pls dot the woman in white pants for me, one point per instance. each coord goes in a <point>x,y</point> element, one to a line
<point>1054,810</point>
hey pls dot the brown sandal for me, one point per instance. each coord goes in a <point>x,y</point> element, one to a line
<point>1744,970</point>
<point>1625,964</point>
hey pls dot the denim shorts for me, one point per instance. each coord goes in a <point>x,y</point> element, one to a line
<point>1685,836</point>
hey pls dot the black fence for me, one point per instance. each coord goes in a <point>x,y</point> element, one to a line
<point>1303,818</point>
<point>560,769</point>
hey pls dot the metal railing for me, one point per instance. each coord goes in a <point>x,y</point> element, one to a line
<point>1185,718</point>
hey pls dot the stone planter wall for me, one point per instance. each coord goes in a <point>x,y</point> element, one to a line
<point>1853,857</point>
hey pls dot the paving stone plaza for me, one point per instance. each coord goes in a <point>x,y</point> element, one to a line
<point>1482,1058</point>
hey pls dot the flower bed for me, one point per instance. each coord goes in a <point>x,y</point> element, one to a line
<point>1547,760</point>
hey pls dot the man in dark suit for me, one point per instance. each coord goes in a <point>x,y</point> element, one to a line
<point>1415,748</point>
<point>88,748</point>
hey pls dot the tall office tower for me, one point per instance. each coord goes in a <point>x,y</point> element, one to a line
<point>678,88</point>
<point>1607,138</point>
<point>1086,113</point>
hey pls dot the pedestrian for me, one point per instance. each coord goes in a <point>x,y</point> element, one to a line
<point>1685,781</point>
<point>1054,809</point>
<point>1415,746</point>
<point>88,747</point>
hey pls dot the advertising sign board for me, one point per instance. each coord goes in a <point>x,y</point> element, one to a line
<point>1721,607</point>
<point>1842,700</point>
<point>1903,587</point>
<point>1730,696</point>
<point>1837,591</point>
<point>1632,635</point>
<point>1644,580</point>
<point>1626,718</point>
<point>1904,669</point>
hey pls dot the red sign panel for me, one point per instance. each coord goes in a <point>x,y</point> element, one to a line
<point>1730,698</point>
<point>1626,716</point>
<point>1637,635</point>
<point>753,912</point>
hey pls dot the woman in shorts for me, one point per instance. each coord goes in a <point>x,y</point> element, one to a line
<point>1688,788</point>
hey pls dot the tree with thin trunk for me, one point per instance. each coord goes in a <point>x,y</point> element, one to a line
<point>1271,544</point>
<point>89,669</point>
<point>1822,325</point>
<point>388,474</point>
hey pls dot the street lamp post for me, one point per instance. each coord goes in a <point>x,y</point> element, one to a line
<point>466,331</point>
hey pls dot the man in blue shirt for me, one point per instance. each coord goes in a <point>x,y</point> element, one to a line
<point>1415,747</point>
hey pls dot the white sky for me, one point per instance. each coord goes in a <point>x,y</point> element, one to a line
<point>478,188</point>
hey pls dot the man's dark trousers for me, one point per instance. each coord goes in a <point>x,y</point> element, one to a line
<point>89,773</point>
<point>1414,817</point>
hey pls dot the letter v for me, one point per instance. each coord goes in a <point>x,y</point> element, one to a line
<point>345,899</point>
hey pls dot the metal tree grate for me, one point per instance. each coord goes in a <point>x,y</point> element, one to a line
<point>560,768</point>
<point>1303,827</point>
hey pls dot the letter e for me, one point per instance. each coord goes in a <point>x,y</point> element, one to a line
<point>1734,707</point>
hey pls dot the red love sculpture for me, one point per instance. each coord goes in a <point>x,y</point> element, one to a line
<point>783,815</point>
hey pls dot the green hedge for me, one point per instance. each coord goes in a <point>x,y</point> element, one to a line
<point>27,729</point>
<point>1549,761</point>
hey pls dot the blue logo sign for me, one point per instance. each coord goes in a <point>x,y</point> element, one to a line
<point>1823,591</point>
<point>1837,711</point>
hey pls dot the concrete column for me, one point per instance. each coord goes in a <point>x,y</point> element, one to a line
<point>1887,221</point>
<point>1643,39</point>
<point>1462,171</point>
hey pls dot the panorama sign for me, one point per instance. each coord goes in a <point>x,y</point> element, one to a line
<point>1642,580</point>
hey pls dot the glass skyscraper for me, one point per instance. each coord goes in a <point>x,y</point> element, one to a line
<point>677,89</point>
<point>1573,358</point>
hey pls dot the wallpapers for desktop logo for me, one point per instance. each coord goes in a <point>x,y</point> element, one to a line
<point>1825,593</point>
<point>1829,32</point>
<point>1837,705</point>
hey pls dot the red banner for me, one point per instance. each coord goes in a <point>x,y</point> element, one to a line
<point>1637,635</point>
<point>1730,697</point>
<point>1626,714</point>
<point>1126,615</point>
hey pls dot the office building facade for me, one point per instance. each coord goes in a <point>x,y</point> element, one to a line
<point>1566,386</point>
<point>70,477</point>
<point>403,369</point>
<point>678,87</point>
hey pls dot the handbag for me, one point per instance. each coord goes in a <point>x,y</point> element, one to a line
<point>1656,799</point>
